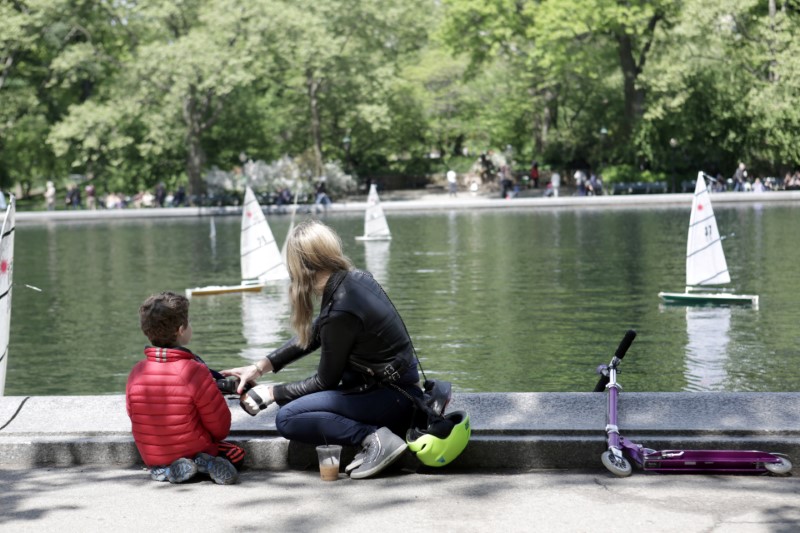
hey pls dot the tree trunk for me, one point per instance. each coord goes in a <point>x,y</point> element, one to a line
<point>313,85</point>
<point>634,98</point>
<point>545,120</point>
<point>773,63</point>
<point>195,162</point>
<point>195,155</point>
<point>631,68</point>
<point>458,145</point>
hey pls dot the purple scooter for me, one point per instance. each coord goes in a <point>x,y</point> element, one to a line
<point>620,449</point>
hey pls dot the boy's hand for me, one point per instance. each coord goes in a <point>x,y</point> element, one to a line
<point>247,376</point>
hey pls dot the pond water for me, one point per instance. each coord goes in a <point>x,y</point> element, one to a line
<point>524,300</point>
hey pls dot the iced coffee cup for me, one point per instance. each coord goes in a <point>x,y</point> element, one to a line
<point>329,455</point>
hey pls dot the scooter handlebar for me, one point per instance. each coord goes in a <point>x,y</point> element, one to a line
<point>627,340</point>
<point>601,384</point>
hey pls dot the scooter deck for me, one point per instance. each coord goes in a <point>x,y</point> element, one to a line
<point>694,461</point>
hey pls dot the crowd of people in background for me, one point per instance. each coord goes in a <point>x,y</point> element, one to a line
<point>491,170</point>
<point>792,181</point>
<point>494,171</point>
<point>740,181</point>
<point>75,193</point>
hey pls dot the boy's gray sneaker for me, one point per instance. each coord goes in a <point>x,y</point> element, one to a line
<point>381,449</point>
<point>181,470</point>
<point>221,470</point>
<point>159,473</point>
<point>203,461</point>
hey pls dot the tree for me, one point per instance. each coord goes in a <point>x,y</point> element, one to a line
<point>188,58</point>
<point>53,54</point>
<point>571,51</point>
<point>339,62</point>
<point>725,85</point>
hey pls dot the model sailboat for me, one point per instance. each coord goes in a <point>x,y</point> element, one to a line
<point>705,259</point>
<point>375,225</point>
<point>6,272</point>
<point>261,260</point>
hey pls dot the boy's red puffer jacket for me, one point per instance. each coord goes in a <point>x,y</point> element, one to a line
<point>175,407</point>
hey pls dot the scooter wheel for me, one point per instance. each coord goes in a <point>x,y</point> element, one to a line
<point>619,466</point>
<point>784,466</point>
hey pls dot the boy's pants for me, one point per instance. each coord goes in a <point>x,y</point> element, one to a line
<point>232,452</point>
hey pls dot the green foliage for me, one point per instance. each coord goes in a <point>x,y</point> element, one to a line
<point>627,173</point>
<point>135,93</point>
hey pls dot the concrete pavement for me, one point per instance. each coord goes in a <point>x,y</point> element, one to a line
<point>124,499</point>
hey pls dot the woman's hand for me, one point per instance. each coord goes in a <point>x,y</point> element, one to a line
<point>256,399</point>
<point>248,374</point>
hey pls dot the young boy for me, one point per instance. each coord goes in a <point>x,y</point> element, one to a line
<point>178,415</point>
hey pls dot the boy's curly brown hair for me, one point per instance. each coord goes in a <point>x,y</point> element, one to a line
<point>161,315</point>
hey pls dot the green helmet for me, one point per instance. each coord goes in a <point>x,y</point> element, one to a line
<point>442,441</point>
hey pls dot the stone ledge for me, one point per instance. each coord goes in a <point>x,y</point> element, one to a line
<point>509,430</point>
<point>430,202</point>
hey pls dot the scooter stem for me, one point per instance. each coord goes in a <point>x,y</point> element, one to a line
<point>612,429</point>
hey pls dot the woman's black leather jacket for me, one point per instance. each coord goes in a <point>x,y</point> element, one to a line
<point>363,340</point>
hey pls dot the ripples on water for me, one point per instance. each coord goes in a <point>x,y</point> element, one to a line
<point>510,300</point>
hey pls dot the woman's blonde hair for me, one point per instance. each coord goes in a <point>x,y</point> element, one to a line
<point>312,248</point>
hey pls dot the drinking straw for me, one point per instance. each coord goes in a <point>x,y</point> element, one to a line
<point>326,444</point>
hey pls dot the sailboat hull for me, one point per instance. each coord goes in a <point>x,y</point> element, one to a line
<point>224,289</point>
<point>708,298</point>
<point>374,238</point>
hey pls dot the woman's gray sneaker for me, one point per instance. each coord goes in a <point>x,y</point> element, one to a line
<point>381,449</point>
<point>357,461</point>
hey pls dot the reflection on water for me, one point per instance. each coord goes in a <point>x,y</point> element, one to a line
<point>212,237</point>
<point>376,258</point>
<point>518,300</point>
<point>708,331</point>
<point>265,316</point>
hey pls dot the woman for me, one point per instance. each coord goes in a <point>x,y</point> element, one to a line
<point>363,391</point>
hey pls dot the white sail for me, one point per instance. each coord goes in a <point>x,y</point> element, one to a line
<point>705,259</point>
<point>375,225</point>
<point>6,273</point>
<point>260,256</point>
